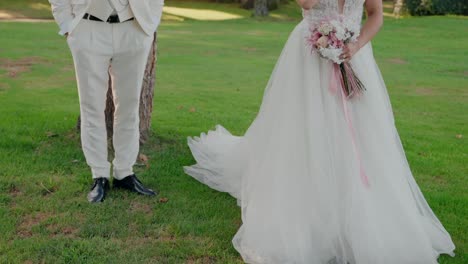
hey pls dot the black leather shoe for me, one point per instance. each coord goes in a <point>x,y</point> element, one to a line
<point>132,183</point>
<point>98,190</point>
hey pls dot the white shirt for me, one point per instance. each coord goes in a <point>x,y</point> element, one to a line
<point>103,9</point>
<point>123,11</point>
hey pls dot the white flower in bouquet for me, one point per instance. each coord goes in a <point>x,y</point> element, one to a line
<point>341,34</point>
<point>325,28</point>
<point>339,29</point>
<point>332,54</point>
<point>353,30</point>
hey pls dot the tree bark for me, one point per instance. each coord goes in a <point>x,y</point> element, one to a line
<point>146,98</point>
<point>147,93</point>
<point>109,112</point>
<point>261,8</point>
<point>397,8</point>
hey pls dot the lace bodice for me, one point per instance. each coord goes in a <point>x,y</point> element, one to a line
<point>352,11</point>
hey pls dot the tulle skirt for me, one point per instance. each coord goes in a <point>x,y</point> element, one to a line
<point>297,172</point>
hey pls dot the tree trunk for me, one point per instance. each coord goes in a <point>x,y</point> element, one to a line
<point>146,98</point>
<point>147,93</point>
<point>397,8</point>
<point>271,4</point>
<point>109,112</point>
<point>260,8</point>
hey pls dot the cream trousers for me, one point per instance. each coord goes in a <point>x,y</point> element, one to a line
<point>125,48</point>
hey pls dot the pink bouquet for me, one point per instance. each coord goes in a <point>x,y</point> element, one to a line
<point>328,38</point>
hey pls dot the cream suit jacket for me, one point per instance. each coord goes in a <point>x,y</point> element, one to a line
<point>68,13</point>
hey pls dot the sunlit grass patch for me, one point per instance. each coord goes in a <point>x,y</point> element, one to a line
<point>200,14</point>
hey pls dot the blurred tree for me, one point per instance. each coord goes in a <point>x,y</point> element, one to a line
<point>260,8</point>
<point>397,8</point>
<point>271,4</point>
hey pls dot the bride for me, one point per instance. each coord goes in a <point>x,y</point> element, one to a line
<point>323,179</point>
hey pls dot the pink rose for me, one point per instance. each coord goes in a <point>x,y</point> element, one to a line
<point>315,36</point>
<point>322,42</point>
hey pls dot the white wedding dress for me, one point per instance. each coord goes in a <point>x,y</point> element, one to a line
<point>297,171</point>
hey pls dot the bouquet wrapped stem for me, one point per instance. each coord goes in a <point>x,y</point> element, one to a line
<point>350,83</point>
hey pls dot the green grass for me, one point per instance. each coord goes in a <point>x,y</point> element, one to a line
<point>26,8</point>
<point>208,73</point>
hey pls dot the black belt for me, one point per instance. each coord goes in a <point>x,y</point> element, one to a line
<point>111,20</point>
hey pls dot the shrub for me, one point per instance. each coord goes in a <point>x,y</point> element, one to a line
<point>437,7</point>
<point>457,7</point>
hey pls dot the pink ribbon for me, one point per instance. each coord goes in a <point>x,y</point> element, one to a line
<point>336,83</point>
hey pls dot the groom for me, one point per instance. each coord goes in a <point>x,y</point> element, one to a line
<point>109,38</point>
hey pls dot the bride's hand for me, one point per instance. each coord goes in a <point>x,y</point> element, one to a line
<point>349,50</point>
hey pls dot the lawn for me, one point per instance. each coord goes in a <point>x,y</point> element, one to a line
<point>208,73</point>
